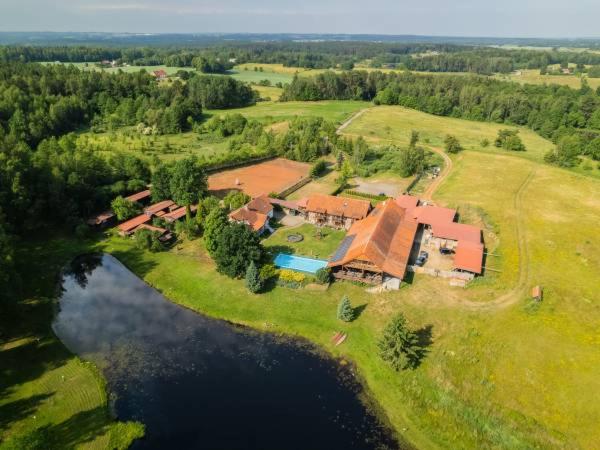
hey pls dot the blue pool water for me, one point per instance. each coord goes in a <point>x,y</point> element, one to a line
<point>299,263</point>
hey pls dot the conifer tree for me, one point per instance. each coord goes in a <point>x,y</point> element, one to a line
<point>399,346</point>
<point>345,311</point>
<point>253,280</point>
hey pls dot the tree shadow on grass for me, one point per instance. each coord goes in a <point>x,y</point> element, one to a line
<point>80,428</point>
<point>20,409</point>
<point>135,260</point>
<point>358,310</point>
<point>425,336</point>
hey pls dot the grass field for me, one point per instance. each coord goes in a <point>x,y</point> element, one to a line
<point>336,111</point>
<point>394,124</point>
<point>42,385</point>
<point>532,76</point>
<point>312,246</point>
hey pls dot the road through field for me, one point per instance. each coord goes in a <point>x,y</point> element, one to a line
<point>351,119</point>
<point>441,177</point>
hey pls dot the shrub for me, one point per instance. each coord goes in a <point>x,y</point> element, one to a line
<point>323,275</point>
<point>485,142</point>
<point>318,168</point>
<point>292,276</point>
<point>267,272</point>
<point>82,231</point>
<point>509,140</point>
<point>399,346</point>
<point>148,240</point>
<point>345,311</point>
<point>125,209</point>
<point>452,144</point>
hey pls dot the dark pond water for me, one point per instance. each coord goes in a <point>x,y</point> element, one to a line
<point>199,383</point>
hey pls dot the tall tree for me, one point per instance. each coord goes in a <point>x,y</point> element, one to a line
<point>214,223</point>
<point>253,281</point>
<point>161,183</point>
<point>236,247</point>
<point>188,183</point>
<point>124,209</point>
<point>399,346</point>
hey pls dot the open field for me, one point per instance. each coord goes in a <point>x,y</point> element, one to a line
<point>336,111</point>
<point>129,69</point>
<point>312,245</point>
<point>533,76</point>
<point>273,176</point>
<point>42,385</point>
<point>395,123</point>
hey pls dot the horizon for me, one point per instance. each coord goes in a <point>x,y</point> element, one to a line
<point>534,19</point>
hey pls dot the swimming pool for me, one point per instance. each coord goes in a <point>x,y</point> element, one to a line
<point>299,263</point>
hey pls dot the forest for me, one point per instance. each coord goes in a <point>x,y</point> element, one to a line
<point>217,57</point>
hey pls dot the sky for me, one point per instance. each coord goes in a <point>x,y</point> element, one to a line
<point>498,18</point>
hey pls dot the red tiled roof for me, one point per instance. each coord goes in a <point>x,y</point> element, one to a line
<point>469,256</point>
<point>457,232</point>
<point>178,213</point>
<point>408,202</point>
<point>338,206</point>
<point>128,226</point>
<point>385,238</point>
<point>433,215</point>
<point>160,73</point>
<point>101,218</point>
<point>139,196</point>
<point>260,204</point>
<point>253,219</point>
<point>156,207</point>
<point>284,203</point>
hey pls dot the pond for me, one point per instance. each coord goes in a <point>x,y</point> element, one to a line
<point>197,382</point>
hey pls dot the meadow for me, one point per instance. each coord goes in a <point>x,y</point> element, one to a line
<point>387,124</point>
<point>532,76</point>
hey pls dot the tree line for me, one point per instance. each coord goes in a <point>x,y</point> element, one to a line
<point>555,112</point>
<point>218,57</point>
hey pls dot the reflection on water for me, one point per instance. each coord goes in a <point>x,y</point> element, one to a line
<point>201,383</point>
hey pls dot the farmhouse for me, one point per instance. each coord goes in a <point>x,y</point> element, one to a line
<point>255,214</point>
<point>336,212</point>
<point>384,244</point>
<point>377,247</point>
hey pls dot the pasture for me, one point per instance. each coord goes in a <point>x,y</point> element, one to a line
<point>532,76</point>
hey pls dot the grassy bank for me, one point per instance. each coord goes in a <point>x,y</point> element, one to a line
<point>42,385</point>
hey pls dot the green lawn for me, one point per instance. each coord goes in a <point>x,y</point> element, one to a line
<point>42,385</point>
<point>313,246</point>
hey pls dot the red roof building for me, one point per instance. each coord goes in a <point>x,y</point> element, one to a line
<point>178,213</point>
<point>377,246</point>
<point>258,222</point>
<point>128,227</point>
<point>139,196</point>
<point>160,206</point>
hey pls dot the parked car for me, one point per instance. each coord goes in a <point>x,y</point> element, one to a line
<point>445,251</point>
<point>422,258</point>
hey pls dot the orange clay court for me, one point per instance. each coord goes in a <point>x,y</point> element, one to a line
<point>276,175</point>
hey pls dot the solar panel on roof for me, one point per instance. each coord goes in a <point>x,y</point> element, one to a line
<point>343,248</point>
